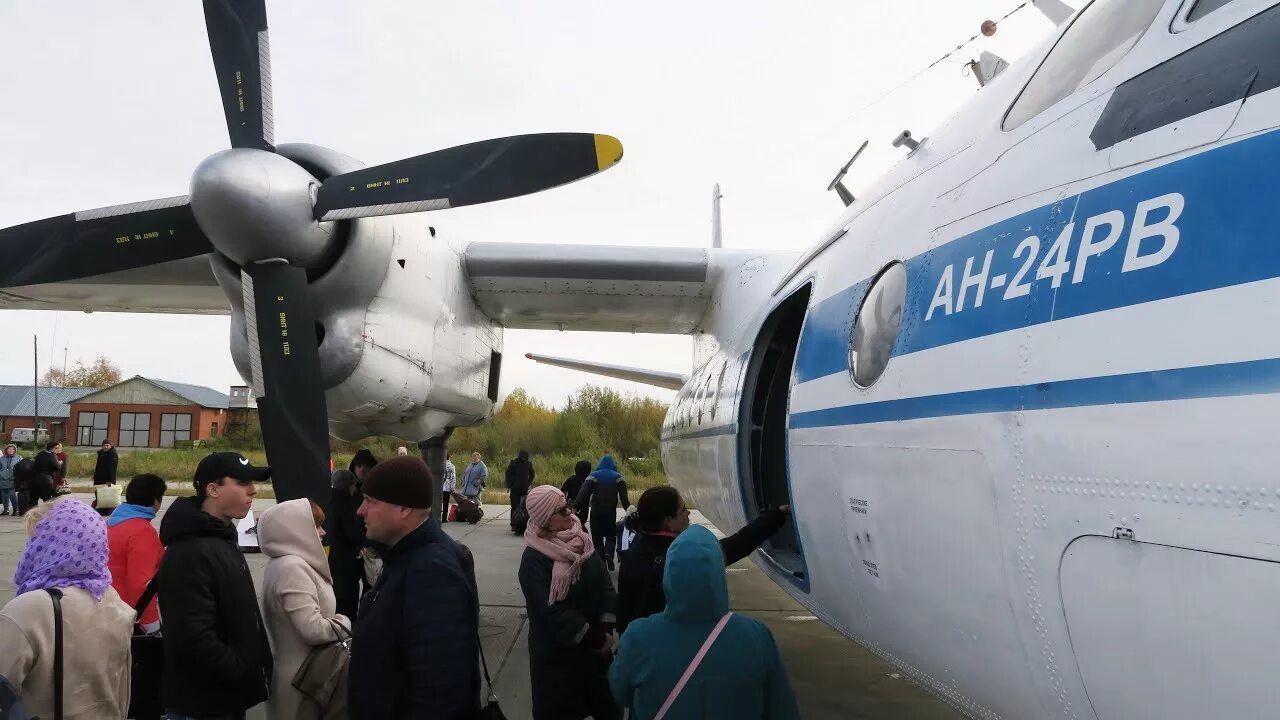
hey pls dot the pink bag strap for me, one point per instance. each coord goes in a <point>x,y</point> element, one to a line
<point>688,672</point>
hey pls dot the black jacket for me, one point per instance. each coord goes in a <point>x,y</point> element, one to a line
<point>640,577</point>
<point>345,533</point>
<point>216,653</point>
<point>414,653</point>
<point>104,471</point>
<point>520,475</point>
<point>47,462</point>
<point>569,680</point>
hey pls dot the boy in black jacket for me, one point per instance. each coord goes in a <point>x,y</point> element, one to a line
<point>217,660</point>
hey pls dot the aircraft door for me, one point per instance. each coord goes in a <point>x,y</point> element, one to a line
<point>766,396</point>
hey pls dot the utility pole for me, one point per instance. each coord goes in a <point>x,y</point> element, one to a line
<point>35,380</point>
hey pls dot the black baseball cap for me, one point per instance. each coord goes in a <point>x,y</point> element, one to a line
<point>216,466</point>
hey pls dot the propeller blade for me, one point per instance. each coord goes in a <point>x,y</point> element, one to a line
<point>285,366</point>
<point>96,242</point>
<point>242,62</point>
<point>478,172</point>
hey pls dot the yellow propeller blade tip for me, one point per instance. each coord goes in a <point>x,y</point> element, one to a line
<point>608,151</point>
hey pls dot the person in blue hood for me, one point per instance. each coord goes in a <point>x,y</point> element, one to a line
<point>601,491</point>
<point>742,675</point>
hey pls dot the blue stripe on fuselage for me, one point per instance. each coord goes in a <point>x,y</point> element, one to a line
<point>1254,377</point>
<point>1227,230</point>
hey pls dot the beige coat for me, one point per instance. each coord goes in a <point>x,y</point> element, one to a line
<point>96,658</point>
<point>297,602</point>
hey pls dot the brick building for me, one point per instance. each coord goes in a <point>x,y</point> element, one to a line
<point>18,409</point>
<point>146,412</point>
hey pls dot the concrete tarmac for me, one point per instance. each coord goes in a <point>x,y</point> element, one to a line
<point>832,676</point>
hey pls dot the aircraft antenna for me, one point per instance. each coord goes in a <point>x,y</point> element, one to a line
<point>837,183</point>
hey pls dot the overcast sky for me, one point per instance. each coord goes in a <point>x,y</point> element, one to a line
<point>108,103</point>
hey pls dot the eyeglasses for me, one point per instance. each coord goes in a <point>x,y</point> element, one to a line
<point>566,510</point>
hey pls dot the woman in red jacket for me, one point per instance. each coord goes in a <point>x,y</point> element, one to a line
<point>133,544</point>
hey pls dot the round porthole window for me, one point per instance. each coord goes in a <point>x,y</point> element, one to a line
<point>875,329</point>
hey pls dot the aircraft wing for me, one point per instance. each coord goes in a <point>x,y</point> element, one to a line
<point>595,287</point>
<point>178,286</point>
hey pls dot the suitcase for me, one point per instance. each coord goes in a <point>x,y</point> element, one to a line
<point>520,518</point>
<point>469,511</point>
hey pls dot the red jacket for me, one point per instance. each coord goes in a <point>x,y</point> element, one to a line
<point>134,552</point>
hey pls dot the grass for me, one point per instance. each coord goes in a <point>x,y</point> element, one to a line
<point>178,466</point>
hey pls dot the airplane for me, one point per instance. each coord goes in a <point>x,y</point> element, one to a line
<point>1015,473</point>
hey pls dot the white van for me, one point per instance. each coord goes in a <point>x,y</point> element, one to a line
<point>28,435</point>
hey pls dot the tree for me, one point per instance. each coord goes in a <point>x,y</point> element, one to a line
<point>100,374</point>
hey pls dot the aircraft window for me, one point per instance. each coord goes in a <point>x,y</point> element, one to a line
<point>875,329</point>
<point>1204,7</point>
<point>1101,35</point>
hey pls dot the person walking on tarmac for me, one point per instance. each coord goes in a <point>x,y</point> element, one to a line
<point>519,480</point>
<point>601,491</point>
<point>573,484</point>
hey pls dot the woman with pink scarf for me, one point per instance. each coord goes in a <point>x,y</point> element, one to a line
<point>571,605</point>
<point>67,553</point>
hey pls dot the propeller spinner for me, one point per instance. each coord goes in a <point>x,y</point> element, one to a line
<point>274,220</point>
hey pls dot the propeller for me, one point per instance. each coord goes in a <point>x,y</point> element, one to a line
<point>96,242</point>
<point>470,174</point>
<point>273,219</point>
<point>242,61</point>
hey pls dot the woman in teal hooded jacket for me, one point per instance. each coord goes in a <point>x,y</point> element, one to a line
<point>741,677</point>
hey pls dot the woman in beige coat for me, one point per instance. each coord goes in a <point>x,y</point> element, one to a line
<point>67,551</point>
<point>297,601</point>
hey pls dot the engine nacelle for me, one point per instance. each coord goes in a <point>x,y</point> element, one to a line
<point>403,348</point>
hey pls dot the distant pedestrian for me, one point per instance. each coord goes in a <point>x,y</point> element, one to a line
<point>134,544</point>
<point>361,463</point>
<point>601,492</point>
<point>474,478</point>
<point>741,674</point>
<point>8,488</point>
<point>415,652</point>
<point>402,451</point>
<point>298,605</point>
<point>67,553</point>
<point>662,516</point>
<point>571,606</point>
<point>217,658</point>
<point>519,478</point>
<point>104,470</point>
<point>573,485</point>
<point>24,473</point>
<point>447,487</point>
<point>60,477</point>
<point>346,541</point>
<point>47,471</point>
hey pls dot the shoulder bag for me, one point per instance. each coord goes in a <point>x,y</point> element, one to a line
<point>489,709</point>
<point>56,595</point>
<point>697,660</point>
<point>147,653</point>
<point>323,674</point>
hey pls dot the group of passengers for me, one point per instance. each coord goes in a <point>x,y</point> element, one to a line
<point>315,644</point>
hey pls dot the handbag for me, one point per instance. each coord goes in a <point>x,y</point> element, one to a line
<point>56,595</point>
<point>489,709</point>
<point>324,670</point>
<point>697,660</point>
<point>147,653</point>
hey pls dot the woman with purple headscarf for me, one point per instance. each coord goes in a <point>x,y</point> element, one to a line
<point>68,551</point>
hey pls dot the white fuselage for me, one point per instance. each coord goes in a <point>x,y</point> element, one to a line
<point>1059,499</point>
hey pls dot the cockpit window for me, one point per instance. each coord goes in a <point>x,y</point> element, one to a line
<point>1100,35</point>
<point>1204,7</point>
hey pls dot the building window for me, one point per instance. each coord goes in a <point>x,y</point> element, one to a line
<point>213,431</point>
<point>1101,34</point>
<point>174,428</point>
<point>91,428</point>
<point>135,430</point>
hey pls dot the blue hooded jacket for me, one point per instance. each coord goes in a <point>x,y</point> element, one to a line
<point>602,490</point>
<point>742,676</point>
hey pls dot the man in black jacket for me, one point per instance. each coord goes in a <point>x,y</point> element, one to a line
<point>217,660</point>
<point>414,653</point>
<point>519,479</point>
<point>663,516</point>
